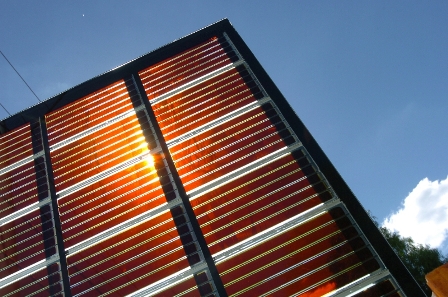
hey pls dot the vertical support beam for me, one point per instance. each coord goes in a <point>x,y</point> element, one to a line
<point>43,166</point>
<point>219,286</point>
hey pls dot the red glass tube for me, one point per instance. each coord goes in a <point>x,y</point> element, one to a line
<point>208,155</point>
<point>94,155</point>
<point>187,288</point>
<point>15,145</point>
<point>22,243</point>
<point>227,137</point>
<point>257,265</point>
<point>84,104</point>
<point>321,268</point>
<point>183,68</point>
<point>35,284</point>
<point>203,103</point>
<point>100,140</point>
<point>75,117</point>
<point>151,249</point>
<point>165,67</point>
<point>109,201</point>
<point>297,250</point>
<point>196,94</point>
<point>235,128</point>
<point>18,189</point>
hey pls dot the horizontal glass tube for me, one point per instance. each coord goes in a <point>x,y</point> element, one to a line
<point>282,168</point>
<point>384,288</point>
<point>327,247</point>
<point>15,146</point>
<point>61,115</point>
<point>18,189</point>
<point>100,140</point>
<point>110,201</point>
<point>22,242</point>
<point>36,284</point>
<point>193,96</point>
<point>166,66</point>
<point>226,149</point>
<point>203,103</point>
<point>231,131</point>
<point>184,67</point>
<point>79,118</point>
<point>95,156</point>
<point>302,272</point>
<point>335,276</point>
<point>130,260</point>
<point>187,288</point>
<point>232,232</point>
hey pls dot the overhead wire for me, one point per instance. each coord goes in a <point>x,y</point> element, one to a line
<point>5,109</point>
<point>19,76</point>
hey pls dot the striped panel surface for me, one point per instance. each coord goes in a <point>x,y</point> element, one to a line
<point>186,66</point>
<point>228,146</point>
<point>258,200</point>
<point>219,125</point>
<point>196,106</point>
<point>26,241</point>
<point>40,283</point>
<point>87,112</point>
<point>311,259</point>
<point>97,152</point>
<point>18,188</point>
<point>15,146</point>
<point>109,202</point>
<point>130,260</point>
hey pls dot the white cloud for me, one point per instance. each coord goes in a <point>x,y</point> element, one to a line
<point>424,214</point>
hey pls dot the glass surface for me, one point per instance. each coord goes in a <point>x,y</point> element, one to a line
<point>384,288</point>
<point>18,189</point>
<point>184,67</point>
<point>186,288</point>
<point>133,259</point>
<point>87,112</point>
<point>254,202</point>
<point>316,252</point>
<point>225,148</point>
<point>109,201</point>
<point>201,104</point>
<point>232,130</point>
<point>97,152</point>
<point>35,284</point>
<point>15,145</point>
<point>21,243</point>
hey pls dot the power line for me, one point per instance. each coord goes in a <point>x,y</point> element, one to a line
<point>5,109</point>
<point>20,77</point>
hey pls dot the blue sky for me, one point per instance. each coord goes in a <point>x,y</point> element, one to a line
<point>368,78</point>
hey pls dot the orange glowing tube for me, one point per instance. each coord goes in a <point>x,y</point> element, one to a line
<point>18,189</point>
<point>23,243</point>
<point>151,248</point>
<point>184,67</point>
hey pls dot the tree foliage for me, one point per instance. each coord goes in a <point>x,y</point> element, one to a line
<point>419,259</point>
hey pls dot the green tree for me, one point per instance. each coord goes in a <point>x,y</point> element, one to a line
<point>419,259</point>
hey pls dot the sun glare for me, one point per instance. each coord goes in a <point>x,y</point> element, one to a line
<point>149,161</point>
